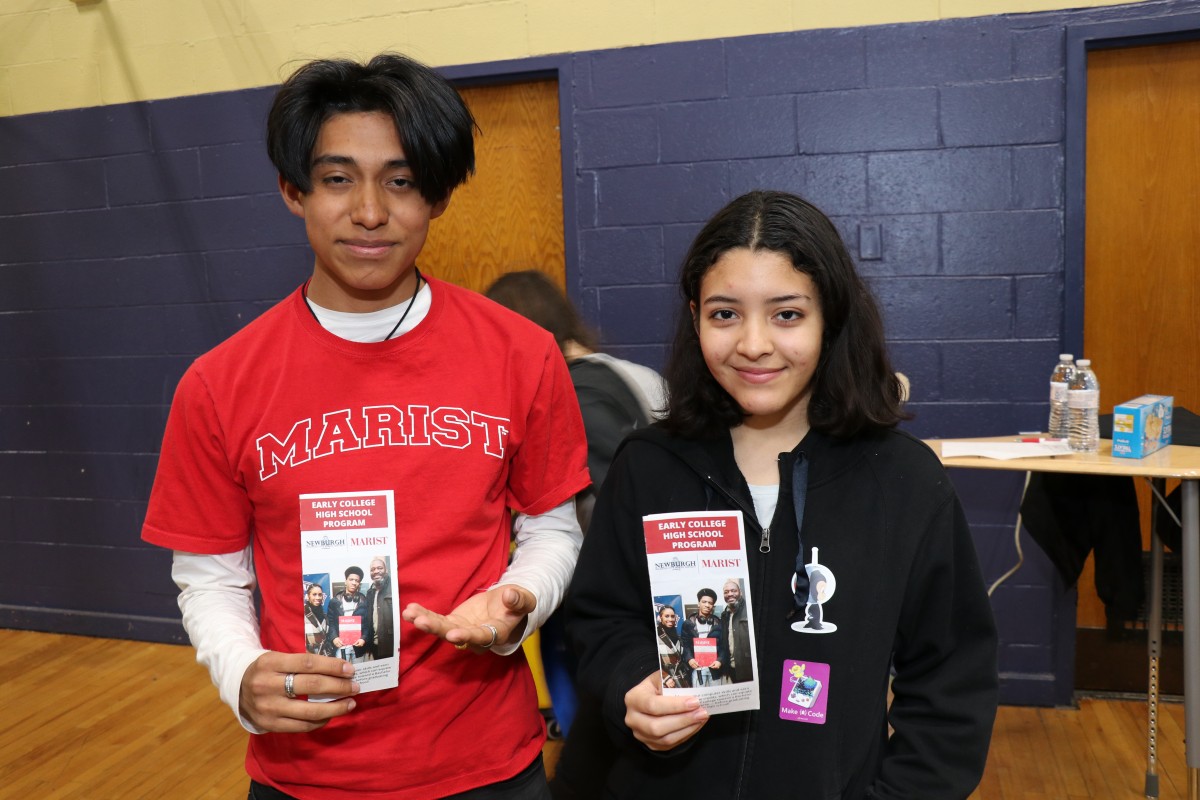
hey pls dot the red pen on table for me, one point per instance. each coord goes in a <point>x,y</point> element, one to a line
<point>1037,438</point>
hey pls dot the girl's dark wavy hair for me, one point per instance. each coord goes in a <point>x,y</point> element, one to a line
<point>434,125</point>
<point>854,387</point>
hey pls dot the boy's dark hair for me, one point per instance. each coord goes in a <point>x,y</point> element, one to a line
<point>534,296</point>
<point>709,593</point>
<point>853,387</point>
<point>354,571</point>
<point>434,125</point>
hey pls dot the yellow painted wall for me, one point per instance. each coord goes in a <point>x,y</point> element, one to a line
<point>57,54</point>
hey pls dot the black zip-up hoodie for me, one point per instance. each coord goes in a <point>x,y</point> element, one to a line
<point>887,523</point>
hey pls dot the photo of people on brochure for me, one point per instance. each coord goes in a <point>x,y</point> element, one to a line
<point>335,615</point>
<point>699,643</point>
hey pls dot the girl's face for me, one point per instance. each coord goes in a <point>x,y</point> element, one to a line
<point>760,327</point>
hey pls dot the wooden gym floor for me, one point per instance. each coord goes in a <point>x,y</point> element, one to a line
<point>100,718</point>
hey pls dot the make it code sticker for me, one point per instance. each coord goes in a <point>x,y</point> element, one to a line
<point>805,693</point>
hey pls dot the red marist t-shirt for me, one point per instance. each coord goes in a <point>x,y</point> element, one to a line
<point>470,413</point>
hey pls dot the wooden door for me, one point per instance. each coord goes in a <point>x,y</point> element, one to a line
<point>509,215</point>
<point>1142,241</point>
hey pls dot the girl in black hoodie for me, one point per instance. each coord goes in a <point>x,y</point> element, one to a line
<point>783,405</point>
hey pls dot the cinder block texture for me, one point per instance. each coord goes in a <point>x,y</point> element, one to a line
<point>1002,242</point>
<point>622,256</point>
<point>143,178</point>
<point>996,371</point>
<point>1039,306</point>
<point>266,273</point>
<point>724,129</point>
<point>143,281</point>
<point>868,120</point>
<point>40,188</point>
<point>942,180</point>
<point>1008,112</point>
<point>657,74</point>
<point>616,138</point>
<point>64,135</point>
<point>791,63</point>
<point>1038,51</point>
<point>633,316</point>
<point>677,239</point>
<point>67,380</point>
<point>946,308</point>
<point>661,194</point>
<point>78,521</point>
<point>224,118</point>
<point>231,170</point>
<point>837,184</point>
<point>938,53</point>
<point>1038,176</point>
<point>921,363</point>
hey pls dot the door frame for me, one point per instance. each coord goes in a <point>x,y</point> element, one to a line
<point>1080,40</point>
<point>554,67</point>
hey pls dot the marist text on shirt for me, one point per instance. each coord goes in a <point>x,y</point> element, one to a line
<point>345,430</point>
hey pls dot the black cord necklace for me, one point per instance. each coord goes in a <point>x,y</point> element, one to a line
<point>412,301</point>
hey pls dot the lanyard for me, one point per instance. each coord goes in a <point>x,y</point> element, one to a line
<point>799,494</point>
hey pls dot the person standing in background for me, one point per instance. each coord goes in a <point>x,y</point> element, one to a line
<point>615,396</point>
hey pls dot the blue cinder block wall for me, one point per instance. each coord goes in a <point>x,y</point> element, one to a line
<point>134,237</point>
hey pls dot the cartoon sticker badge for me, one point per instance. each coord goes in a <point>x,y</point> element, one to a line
<point>821,586</point>
<point>805,693</point>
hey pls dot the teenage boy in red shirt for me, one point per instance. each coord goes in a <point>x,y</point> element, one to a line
<point>374,377</point>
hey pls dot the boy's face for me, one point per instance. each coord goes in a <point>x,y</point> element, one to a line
<point>366,221</point>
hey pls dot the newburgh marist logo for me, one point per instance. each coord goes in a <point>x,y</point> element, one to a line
<point>345,430</point>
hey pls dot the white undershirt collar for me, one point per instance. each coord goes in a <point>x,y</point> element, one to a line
<point>372,326</point>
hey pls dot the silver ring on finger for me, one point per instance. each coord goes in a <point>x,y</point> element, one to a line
<point>495,634</point>
<point>289,685</point>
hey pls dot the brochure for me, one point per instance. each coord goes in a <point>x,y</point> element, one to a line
<point>340,531</point>
<point>697,563</point>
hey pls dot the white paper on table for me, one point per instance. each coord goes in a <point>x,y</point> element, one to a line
<point>1005,450</point>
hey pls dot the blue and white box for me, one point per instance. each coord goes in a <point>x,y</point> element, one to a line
<point>1142,425</point>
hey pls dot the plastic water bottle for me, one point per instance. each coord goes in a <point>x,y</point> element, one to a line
<point>1083,401</point>
<point>1060,382</point>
